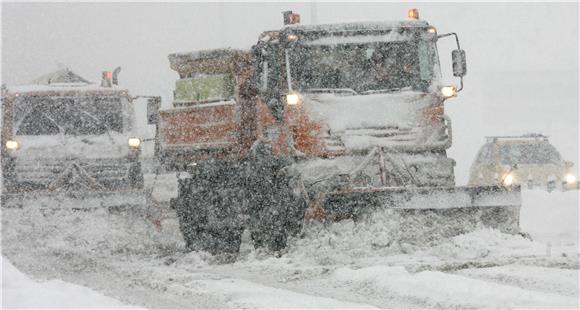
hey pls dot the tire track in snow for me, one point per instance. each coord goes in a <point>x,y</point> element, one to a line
<point>443,290</point>
<point>535,278</point>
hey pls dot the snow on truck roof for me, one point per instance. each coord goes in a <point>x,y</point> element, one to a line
<point>59,82</point>
<point>525,137</point>
<point>215,61</point>
<point>360,26</point>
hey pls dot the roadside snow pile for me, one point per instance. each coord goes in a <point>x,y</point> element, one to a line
<point>95,232</point>
<point>21,292</point>
<point>442,290</point>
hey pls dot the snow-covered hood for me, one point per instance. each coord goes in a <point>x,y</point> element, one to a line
<point>367,111</point>
<point>113,145</point>
<point>364,121</point>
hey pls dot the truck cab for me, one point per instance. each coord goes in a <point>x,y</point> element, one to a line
<point>62,135</point>
<point>345,91</point>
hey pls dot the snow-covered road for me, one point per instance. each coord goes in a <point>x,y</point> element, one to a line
<point>344,265</point>
<point>19,291</point>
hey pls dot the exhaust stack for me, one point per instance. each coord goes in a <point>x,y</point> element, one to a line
<point>291,18</point>
<point>115,75</point>
<point>107,80</point>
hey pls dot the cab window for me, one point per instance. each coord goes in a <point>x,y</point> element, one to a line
<point>529,153</point>
<point>485,154</point>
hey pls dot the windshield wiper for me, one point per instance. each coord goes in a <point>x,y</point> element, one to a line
<point>386,90</point>
<point>102,123</point>
<point>333,91</point>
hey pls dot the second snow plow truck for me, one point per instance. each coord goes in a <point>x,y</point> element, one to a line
<point>323,122</point>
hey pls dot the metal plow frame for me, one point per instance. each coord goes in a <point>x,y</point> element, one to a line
<point>492,206</point>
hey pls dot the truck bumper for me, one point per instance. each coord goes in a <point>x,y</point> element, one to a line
<point>492,206</point>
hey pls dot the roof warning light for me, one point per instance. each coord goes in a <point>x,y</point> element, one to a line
<point>413,14</point>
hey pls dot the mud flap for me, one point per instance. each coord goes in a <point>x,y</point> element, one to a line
<point>491,206</point>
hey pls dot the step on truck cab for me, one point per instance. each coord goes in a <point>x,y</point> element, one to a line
<point>65,138</point>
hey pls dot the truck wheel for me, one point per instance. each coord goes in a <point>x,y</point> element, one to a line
<point>276,212</point>
<point>209,209</point>
<point>136,176</point>
<point>277,203</point>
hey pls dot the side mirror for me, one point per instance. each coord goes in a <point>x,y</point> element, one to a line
<point>153,105</point>
<point>459,63</point>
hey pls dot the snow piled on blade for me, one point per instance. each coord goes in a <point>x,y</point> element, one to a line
<point>445,243</point>
<point>387,233</point>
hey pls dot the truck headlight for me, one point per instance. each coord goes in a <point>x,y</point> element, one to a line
<point>134,142</point>
<point>11,144</point>
<point>570,178</point>
<point>508,180</point>
<point>448,91</point>
<point>292,99</point>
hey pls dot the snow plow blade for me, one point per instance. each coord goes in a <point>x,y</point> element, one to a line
<point>131,199</point>
<point>491,206</point>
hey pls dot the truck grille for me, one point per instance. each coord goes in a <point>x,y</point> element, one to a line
<point>45,171</point>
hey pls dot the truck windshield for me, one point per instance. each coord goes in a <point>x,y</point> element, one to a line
<point>367,67</point>
<point>536,153</point>
<point>68,115</point>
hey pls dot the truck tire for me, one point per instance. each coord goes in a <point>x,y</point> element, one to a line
<point>210,209</point>
<point>277,202</point>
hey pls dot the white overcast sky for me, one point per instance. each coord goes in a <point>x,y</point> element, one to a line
<point>522,57</point>
<point>91,37</point>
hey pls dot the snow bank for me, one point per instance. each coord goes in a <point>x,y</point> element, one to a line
<point>21,292</point>
<point>443,290</point>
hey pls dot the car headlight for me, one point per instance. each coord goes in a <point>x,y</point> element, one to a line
<point>11,144</point>
<point>134,142</point>
<point>292,99</point>
<point>508,180</point>
<point>448,91</point>
<point>570,178</point>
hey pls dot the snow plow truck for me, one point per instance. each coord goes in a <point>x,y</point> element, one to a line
<point>318,122</point>
<point>70,143</point>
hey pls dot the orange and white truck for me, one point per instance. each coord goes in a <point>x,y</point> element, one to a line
<point>323,122</point>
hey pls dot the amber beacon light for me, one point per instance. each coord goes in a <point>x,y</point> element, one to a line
<point>413,14</point>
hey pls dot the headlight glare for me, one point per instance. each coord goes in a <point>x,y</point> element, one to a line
<point>570,178</point>
<point>134,142</point>
<point>508,180</point>
<point>11,144</point>
<point>449,91</point>
<point>292,99</point>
